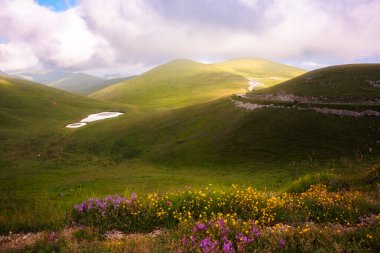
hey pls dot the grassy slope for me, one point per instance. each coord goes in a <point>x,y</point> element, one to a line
<point>183,82</point>
<point>212,142</point>
<point>264,71</point>
<point>30,111</point>
<point>343,80</point>
<point>24,103</point>
<point>218,132</point>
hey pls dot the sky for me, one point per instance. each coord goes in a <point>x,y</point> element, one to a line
<point>131,36</point>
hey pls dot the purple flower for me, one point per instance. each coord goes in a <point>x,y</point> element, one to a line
<point>201,226</point>
<point>185,241</point>
<point>255,232</point>
<point>192,238</point>
<point>223,227</point>
<point>281,242</point>
<point>179,251</point>
<point>207,245</point>
<point>228,248</point>
<point>52,236</point>
<point>242,238</point>
<point>134,196</point>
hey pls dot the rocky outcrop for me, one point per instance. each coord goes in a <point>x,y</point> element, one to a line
<point>375,84</point>
<point>328,111</point>
<point>282,96</point>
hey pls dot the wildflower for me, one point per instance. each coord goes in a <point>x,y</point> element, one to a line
<point>207,245</point>
<point>134,196</point>
<point>281,242</point>
<point>185,241</point>
<point>201,226</point>
<point>228,248</point>
<point>52,236</point>
<point>255,232</point>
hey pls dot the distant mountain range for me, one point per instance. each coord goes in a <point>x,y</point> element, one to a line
<point>78,83</point>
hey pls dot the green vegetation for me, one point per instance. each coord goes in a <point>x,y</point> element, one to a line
<point>267,72</point>
<point>46,168</point>
<point>193,146</point>
<point>183,82</point>
<point>336,81</point>
<point>24,104</point>
<point>234,219</point>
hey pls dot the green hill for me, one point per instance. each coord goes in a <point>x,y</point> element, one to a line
<point>353,80</point>
<point>26,104</point>
<point>218,132</point>
<point>184,82</point>
<point>49,167</point>
<point>264,71</point>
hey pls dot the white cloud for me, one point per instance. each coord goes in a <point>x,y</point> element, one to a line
<point>99,35</point>
<point>56,39</point>
<point>16,56</point>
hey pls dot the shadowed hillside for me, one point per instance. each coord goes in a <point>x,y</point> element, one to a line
<point>354,80</point>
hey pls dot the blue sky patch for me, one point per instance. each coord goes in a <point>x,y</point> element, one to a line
<point>57,5</point>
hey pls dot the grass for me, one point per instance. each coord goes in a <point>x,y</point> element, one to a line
<point>335,81</point>
<point>267,72</point>
<point>234,219</point>
<point>25,104</point>
<point>45,168</point>
<point>183,82</point>
<point>152,211</point>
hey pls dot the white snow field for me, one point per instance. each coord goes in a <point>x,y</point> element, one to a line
<point>95,117</point>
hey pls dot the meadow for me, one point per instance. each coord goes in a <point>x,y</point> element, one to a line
<point>278,180</point>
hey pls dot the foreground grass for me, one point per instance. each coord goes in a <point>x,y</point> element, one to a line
<point>204,220</point>
<point>40,195</point>
<point>36,196</point>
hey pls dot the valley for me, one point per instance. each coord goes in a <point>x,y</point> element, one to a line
<point>166,126</point>
<point>273,139</point>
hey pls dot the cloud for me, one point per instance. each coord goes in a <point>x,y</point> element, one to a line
<point>129,35</point>
<point>52,39</point>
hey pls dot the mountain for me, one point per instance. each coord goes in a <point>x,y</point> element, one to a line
<point>44,77</point>
<point>213,142</point>
<point>183,82</point>
<point>267,72</point>
<point>78,83</point>
<point>108,82</point>
<point>3,73</point>
<point>352,80</point>
<point>27,104</point>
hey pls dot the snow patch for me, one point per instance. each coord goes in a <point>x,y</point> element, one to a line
<point>94,117</point>
<point>76,125</point>
<point>100,116</point>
